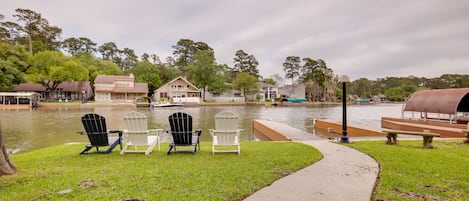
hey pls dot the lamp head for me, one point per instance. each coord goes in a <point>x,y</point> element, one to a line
<point>344,78</point>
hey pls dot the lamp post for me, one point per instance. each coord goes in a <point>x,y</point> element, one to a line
<point>344,79</point>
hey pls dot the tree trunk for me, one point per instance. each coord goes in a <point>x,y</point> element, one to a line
<point>6,166</point>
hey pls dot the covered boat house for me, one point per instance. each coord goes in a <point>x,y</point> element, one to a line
<point>440,104</point>
<point>18,100</point>
<point>443,111</point>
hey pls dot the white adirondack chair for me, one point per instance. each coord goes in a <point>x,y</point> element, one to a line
<point>226,132</point>
<point>138,135</point>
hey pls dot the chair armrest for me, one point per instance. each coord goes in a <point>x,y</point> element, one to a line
<point>212,132</point>
<point>116,131</point>
<point>82,132</point>
<point>198,131</point>
<point>157,131</point>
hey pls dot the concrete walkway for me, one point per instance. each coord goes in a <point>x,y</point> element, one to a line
<point>343,173</point>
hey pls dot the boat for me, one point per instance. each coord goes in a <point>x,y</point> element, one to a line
<point>153,105</point>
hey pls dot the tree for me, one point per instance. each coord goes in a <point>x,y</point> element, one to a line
<point>246,83</point>
<point>361,87</point>
<point>205,72</point>
<point>75,46</point>
<point>246,63</point>
<point>146,72</point>
<point>184,50</point>
<point>318,79</point>
<point>7,167</point>
<point>278,79</point>
<point>291,66</point>
<point>395,94</point>
<point>269,81</point>
<point>13,65</point>
<point>96,66</point>
<point>40,35</point>
<point>109,51</point>
<point>50,68</point>
<point>129,59</point>
<point>10,32</point>
<point>32,23</point>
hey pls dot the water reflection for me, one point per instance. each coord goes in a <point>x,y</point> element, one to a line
<point>42,127</point>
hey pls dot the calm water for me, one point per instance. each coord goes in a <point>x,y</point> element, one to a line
<point>33,129</point>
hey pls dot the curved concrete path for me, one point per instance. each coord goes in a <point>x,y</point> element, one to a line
<point>343,173</point>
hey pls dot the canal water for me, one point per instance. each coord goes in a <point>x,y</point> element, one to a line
<point>25,130</point>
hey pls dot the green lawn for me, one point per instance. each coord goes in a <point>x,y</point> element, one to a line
<point>59,173</point>
<point>409,172</point>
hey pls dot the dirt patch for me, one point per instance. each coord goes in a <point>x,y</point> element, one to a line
<point>417,196</point>
<point>87,183</point>
<point>282,171</point>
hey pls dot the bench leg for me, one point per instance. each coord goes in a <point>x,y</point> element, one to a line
<point>392,139</point>
<point>427,142</point>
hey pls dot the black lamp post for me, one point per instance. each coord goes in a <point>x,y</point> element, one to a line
<point>344,79</point>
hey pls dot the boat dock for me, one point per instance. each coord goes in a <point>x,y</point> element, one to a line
<point>445,129</point>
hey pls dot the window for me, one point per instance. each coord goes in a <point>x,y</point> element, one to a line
<point>120,96</point>
<point>102,96</point>
<point>163,95</point>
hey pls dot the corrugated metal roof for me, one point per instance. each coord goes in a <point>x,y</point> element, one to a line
<point>443,101</point>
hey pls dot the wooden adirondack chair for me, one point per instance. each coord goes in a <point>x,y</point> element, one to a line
<point>138,135</point>
<point>226,132</point>
<point>183,135</point>
<point>96,130</point>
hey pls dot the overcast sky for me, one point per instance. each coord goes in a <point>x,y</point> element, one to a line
<point>360,38</point>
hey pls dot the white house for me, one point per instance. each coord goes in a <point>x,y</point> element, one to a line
<point>178,90</point>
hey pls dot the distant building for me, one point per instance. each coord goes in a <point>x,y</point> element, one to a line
<point>297,92</point>
<point>229,96</point>
<point>118,88</point>
<point>267,91</point>
<point>178,90</point>
<point>65,91</point>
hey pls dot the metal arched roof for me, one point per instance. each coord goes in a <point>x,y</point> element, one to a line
<point>443,101</point>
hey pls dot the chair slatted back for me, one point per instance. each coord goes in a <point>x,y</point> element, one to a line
<point>181,127</point>
<point>226,121</point>
<point>137,128</point>
<point>96,130</point>
<point>226,125</point>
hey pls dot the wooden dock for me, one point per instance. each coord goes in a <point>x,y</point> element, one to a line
<point>446,130</point>
<point>351,130</point>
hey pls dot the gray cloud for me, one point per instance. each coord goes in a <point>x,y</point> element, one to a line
<point>361,38</point>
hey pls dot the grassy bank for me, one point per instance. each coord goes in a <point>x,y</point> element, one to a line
<point>59,173</point>
<point>409,172</point>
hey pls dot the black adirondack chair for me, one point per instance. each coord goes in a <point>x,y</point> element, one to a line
<point>183,135</point>
<point>95,129</point>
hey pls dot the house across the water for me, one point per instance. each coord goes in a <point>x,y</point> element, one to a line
<point>65,91</point>
<point>178,90</point>
<point>111,88</point>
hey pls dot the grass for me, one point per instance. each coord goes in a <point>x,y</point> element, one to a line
<point>59,173</point>
<point>409,172</point>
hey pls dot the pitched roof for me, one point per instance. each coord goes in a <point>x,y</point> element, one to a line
<point>179,78</point>
<point>138,88</point>
<point>65,86</point>
<point>109,79</point>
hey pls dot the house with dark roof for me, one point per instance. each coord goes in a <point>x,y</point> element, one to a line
<point>113,88</point>
<point>65,91</point>
<point>178,90</point>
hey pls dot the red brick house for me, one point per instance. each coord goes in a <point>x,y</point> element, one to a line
<point>66,91</point>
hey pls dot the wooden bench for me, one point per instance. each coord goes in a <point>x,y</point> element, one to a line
<point>466,133</point>
<point>426,134</point>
